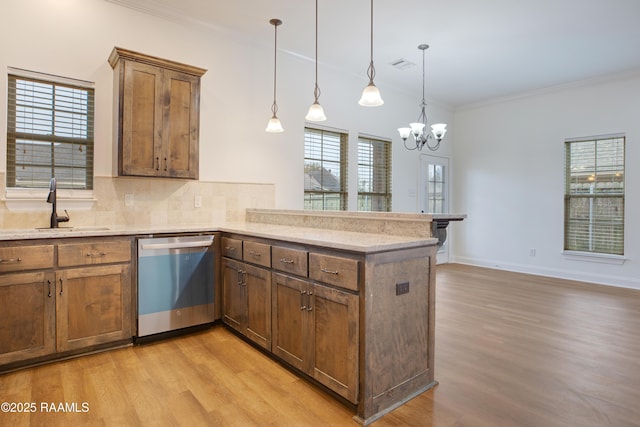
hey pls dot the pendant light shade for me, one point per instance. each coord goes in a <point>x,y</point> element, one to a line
<point>274,125</point>
<point>371,94</point>
<point>316,112</point>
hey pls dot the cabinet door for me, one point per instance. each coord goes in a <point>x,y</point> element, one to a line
<point>289,319</point>
<point>258,292</point>
<point>334,351</point>
<point>180,122</point>
<point>27,316</point>
<point>141,138</point>
<point>234,302</point>
<point>93,306</point>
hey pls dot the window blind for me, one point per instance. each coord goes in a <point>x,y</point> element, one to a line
<point>374,174</point>
<point>50,131</point>
<point>594,195</point>
<point>325,170</point>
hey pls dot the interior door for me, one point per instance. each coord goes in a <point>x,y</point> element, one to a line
<point>434,192</point>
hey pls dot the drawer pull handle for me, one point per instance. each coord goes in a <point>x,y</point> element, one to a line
<point>255,254</point>
<point>93,254</point>
<point>325,270</point>
<point>286,261</point>
<point>10,260</point>
<point>229,248</point>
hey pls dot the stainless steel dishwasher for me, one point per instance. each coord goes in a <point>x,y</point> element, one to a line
<point>175,283</point>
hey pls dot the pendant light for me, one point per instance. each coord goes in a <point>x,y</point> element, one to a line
<point>316,113</point>
<point>274,125</point>
<point>417,129</point>
<point>371,94</point>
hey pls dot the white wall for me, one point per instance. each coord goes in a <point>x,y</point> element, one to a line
<point>509,178</point>
<point>73,38</point>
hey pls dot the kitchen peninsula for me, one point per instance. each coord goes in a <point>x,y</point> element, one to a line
<point>353,311</point>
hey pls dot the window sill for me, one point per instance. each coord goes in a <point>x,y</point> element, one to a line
<point>31,200</point>
<point>594,257</point>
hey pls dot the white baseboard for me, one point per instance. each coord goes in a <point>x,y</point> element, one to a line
<point>619,281</point>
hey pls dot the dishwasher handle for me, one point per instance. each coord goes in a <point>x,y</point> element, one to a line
<point>204,242</point>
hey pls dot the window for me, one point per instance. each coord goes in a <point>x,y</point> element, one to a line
<point>374,175</point>
<point>325,170</point>
<point>436,196</point>
<point>594,195</point>
<point>49,133</point>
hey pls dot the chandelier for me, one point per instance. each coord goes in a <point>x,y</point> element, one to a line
<point>417,129</point>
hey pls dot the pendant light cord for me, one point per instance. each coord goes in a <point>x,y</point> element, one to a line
<point>371,71</point>
<point>274,107</point>
<point>316,90</point>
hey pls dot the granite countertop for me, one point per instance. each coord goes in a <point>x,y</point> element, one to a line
<point>335,239</point>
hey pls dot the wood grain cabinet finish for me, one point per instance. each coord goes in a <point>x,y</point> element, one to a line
<point>246,299</point>
<point>290,260</point>
<point>231,248</point>
<point>315,329</point>
<point>257,253</point>
<point>158,111</point>
<point>360,323</point>
<point>335,270</point>
<point>25,257</point>
<point>27,316</point>
<point>82,301</point>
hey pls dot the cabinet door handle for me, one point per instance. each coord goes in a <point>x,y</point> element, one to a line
<point>61,286</point>
<point>10,260</point>
<point>309,307</point>
<point>49,283</point>
<point>166,165</point>
<point>286,261</point>
<point>239,278</point>
<point>157,163</point>
<point>302,306</point>
<point>325,270</point>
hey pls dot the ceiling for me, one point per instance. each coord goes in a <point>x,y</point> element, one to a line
<point>479,50</point>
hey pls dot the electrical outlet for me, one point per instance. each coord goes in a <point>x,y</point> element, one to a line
<point>128,199</point>
<point>402,288</point>
<point>532,252</point>
<point>197,201</point>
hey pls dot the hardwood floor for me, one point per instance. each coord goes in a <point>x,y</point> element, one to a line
<point>511,350</point>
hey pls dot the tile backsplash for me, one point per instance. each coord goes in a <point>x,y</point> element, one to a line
<point>155,202</point>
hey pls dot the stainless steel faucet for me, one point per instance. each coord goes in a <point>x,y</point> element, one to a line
<point>53,199</point>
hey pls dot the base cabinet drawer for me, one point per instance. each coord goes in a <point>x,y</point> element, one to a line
<point>334,270</point>
<point>231,248</point>
<point>26,257</point>
<point>289,260</point>
<point>101,252</point>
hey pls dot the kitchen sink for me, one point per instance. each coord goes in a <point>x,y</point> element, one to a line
<point>88,228</point>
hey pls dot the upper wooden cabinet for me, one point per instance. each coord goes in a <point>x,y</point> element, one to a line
<point>158,115</point>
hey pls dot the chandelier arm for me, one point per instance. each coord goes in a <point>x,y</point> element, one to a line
<point>434,147</point>
<point>417,147</point>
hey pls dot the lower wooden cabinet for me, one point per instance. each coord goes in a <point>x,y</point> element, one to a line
<point>247,300</point>
<point>27,318</point>
<point>315,329</point>
<point>75,300</point>
<point>93,306</point>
